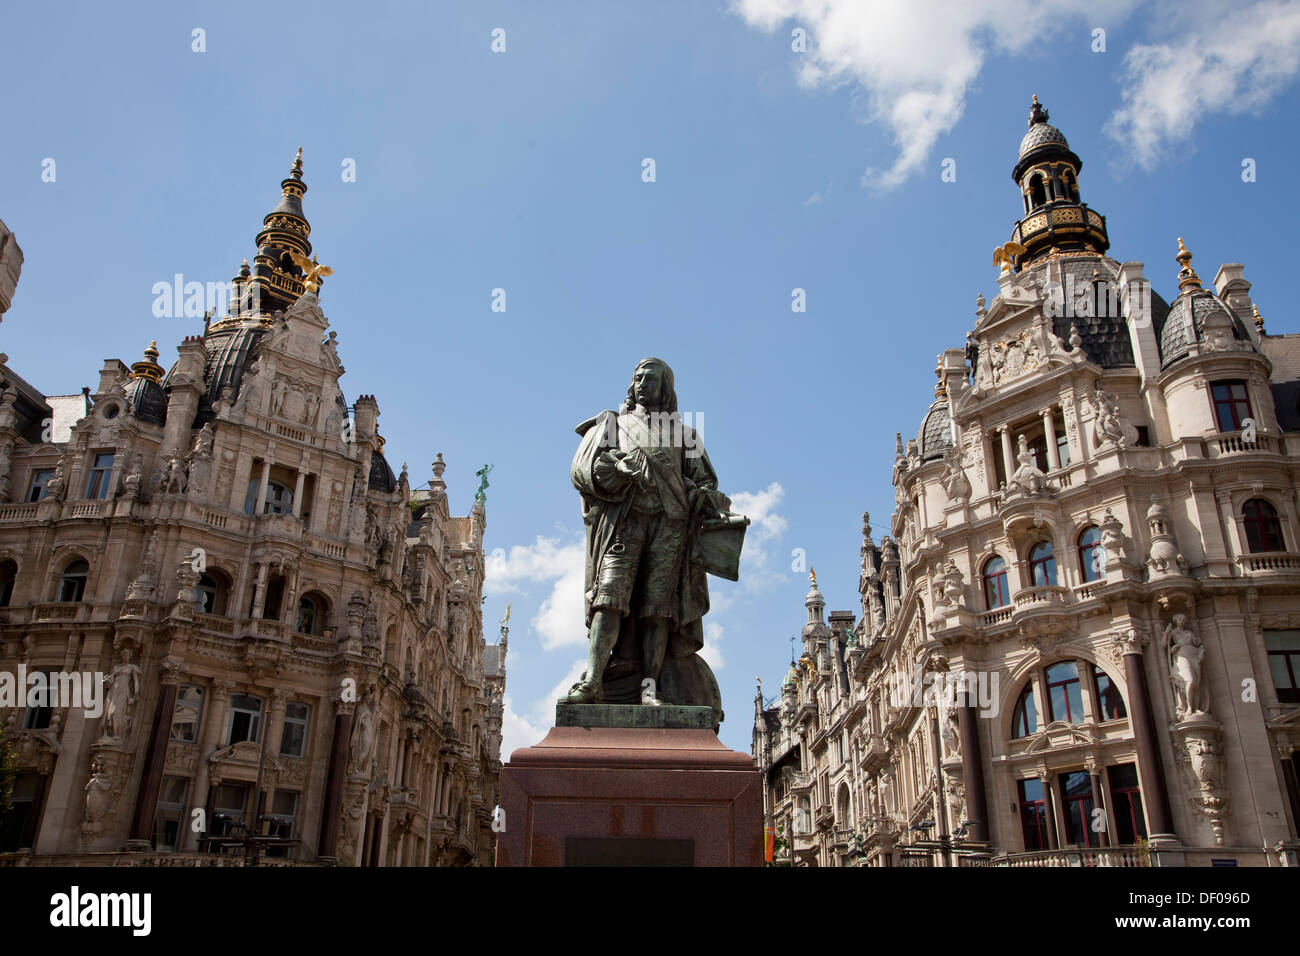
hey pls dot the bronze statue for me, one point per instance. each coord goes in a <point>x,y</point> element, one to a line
<point>656,526</point>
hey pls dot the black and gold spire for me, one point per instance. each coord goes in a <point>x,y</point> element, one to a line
<point>274,282</point>
<point>1047,172</point>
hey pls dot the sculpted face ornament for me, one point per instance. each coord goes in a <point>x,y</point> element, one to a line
<point>656,527</point>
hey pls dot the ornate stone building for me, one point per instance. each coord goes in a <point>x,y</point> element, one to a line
<point>1080,644</point>
<point>802,744</point>
<point>284,630</point>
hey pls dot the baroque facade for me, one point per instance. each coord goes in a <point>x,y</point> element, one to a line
<point>289,638</point>
<point>1080,643</point>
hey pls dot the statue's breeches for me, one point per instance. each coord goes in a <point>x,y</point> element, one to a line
<point>643,565</point>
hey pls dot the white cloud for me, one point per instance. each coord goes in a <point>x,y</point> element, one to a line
<point>915,62</point>
<point>517,731</point>
<point>711,652</point>
<point>766,525</point>
<point>1231,63</point>
<point>559,620</point>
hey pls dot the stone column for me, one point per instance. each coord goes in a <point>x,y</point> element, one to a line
<point>259,506</point>
<point>1008,456</point>
<point>275,722</point>
<point>297,493</point>
<point>259,590</point>
<point>1150,769</point>
<point>146,802</point>
<point>1049,804</point>
<point>972,770</point>
<point>1098,803</point>
<point>1049,430</point>
<point>329,832</point>
<point>214,721</point>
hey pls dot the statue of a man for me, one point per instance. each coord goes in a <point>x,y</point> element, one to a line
<point>649,495</point>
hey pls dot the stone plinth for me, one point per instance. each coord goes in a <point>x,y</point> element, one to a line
<point>662,717</point>
<point>631,796</point>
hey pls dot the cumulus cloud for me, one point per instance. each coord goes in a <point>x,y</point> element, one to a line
<point>711,651</point>
<point>1235,64</point>
<point>518,731</point>
<point>915,62</point>
<point>559,620</point>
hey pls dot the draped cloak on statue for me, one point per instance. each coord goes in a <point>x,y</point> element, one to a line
<point>685,678</point>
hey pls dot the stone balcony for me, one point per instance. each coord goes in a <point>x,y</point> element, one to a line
<point>1284,564</point>
<point>1076,856</point>
<point>874,753</point>
<point>1231,445</point>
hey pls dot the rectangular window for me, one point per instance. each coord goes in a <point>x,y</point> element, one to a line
<point>1064,700</point>
<point>1076,799</point>
<point>293,739</point>
<point>1284,663</point>
<point>229,805</point>
<point>245,718</point>
<point>17,825</point>
<point>37,489</point>
<point>185,716</point>
<point>97,486</point>
<point>44,685</point>
<point>171,811</point>
<point>1126,801</point>
<point>1033,814</point>
<point>284,809</point>
<point>1231,405</point>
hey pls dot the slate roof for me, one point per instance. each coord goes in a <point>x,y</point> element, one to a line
<point>935,436</point>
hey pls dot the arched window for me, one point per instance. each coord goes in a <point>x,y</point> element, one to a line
<point>210,593</point>
<point>1042,565</point>
<point>72,586</point>
<point>8,574</point>
<point>1092,556</point>
<point>1037,191</point>
<point>1263,530</point>
<point>842,818</point>
<point>311,614</point>
<point>1110,705</point>
<point>1071,187</point>
<point>1024,719</point>
<point>1064,699</point>
<point>996,593</point>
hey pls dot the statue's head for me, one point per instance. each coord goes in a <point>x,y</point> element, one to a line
<point>652,386</point>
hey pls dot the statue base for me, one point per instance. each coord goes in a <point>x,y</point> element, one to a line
<point>645,716</point>
<point>630,796</point>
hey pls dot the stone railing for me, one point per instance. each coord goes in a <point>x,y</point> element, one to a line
<point>1226,444</point>
<point>88,509</point>
<point>150,858</point>
<point>1043,594</point>
<point>1267,562</point>
<point>21,512</point>
<point>1088,590</point>
<point>999,615</point>
<point>1077,856</point>
<point>61,611</point>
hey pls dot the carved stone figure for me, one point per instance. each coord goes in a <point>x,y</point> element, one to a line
<point>54,486</point>
<point>131,481</point>
<point>122,690</point>
<point>99,791</point>
<point>1107,427</point>
<point>363,734</point>
<point>1185,657</point>
<point>955,484</point>
<point>656,525</point>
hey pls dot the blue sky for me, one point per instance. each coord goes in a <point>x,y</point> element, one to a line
<point>522,170</point>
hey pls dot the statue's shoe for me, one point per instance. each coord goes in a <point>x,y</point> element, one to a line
<point>584,692</point>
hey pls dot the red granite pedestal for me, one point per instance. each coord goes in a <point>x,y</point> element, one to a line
<point>615,796</point>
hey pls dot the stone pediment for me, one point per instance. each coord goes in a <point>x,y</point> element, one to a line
<point>243,756</point>
<point>1059,734</point>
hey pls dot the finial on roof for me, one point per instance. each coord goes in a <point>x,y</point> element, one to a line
<point>1187,277</point>
<point>1259,319</point>
<point>812,577</point>
<point>296,169</point>
<point>1037,112</point>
